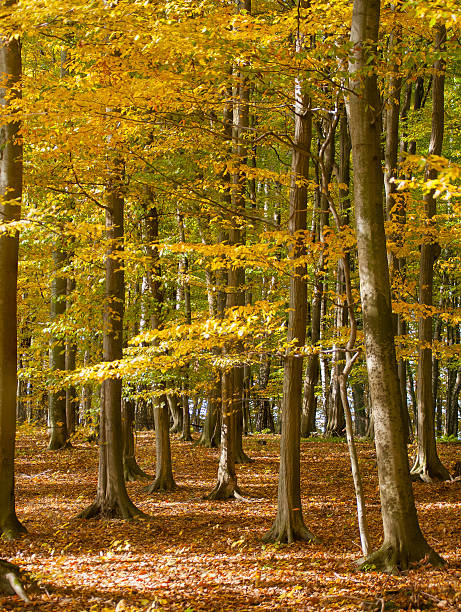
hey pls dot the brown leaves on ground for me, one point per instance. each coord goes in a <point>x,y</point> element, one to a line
<point>195,555</point>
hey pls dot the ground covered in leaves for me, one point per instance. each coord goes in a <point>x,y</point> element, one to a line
<point>195,555</point>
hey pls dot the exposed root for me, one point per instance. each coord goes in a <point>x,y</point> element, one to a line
<point>285,531</point>
<point>10,580</point>
<point>241,457</point>
<point>206,442</point>
<point>429,473</point>
<point>392,560</point>
<point>112,510</point>
<point>58,445</point>
<point>161,485</point>
<point>224,491</point>
<point>12,528</point>
<point>132,472</point>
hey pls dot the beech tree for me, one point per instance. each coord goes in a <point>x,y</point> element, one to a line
<point>10,212</point>
<point>289,525</point>
<point>111,497</point>
<point>404,542</point>
<point>428,465</point>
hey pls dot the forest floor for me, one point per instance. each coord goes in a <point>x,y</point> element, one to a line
<point>195,555</point>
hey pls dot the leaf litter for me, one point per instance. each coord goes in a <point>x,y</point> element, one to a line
<point>195,555</point>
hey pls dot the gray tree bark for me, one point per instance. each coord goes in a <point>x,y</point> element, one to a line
<point>57,397</point>
<point>289,524</point>
<point>112,499</point>
<point>428,466</point>
<point>404,542</point>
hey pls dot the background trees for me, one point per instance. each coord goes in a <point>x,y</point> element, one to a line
<point>215,113</point>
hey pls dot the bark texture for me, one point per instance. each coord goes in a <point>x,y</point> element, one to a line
<point>131,469</point>
<point>57,397</point>
<point>403,541</point>
<point>289,524</point>
<point>164,480</point>
<point>112,499</point>
<point>428,466</point>
<point>10,210</point>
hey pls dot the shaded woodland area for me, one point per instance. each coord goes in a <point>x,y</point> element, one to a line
<point>230,238</point>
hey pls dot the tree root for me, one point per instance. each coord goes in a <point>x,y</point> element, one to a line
<point>132,472</point>
<point>391,560</point>
<point>429,473</point>
<point>224,491</point>
<point>206,442</point>
<point>287,532</point>
<point>241,457</point>
<point>161,485</point>
<point>112,510</point>
<point>12,528</point>
<point>10,580</point>
<point>56,445</point>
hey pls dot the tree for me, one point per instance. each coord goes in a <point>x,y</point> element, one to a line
<point>404,542</point>
<point>112,499</point>
<point>10,212</point>
<point>289,525</point>
<point>428,466</point>
<point>164,480</point>
<point>57,397</point>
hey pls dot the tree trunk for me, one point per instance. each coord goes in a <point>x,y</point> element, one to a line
<point>403,540</point>
<point>428,466</point>
<point>176,413</point>
<point>395,202</point>
<point>57,397</point>
<point>10,211</point>
<point>184,280</point>
<point>452,409</point>
<point>71,355</point>
<point>289,524</point>
<point>164,480</point>
<point>112,499</point>
<point>131,469</point>
<point>208,437</point>
<point>227,487</point>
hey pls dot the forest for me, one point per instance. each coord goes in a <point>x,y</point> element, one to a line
<point>230,305</point>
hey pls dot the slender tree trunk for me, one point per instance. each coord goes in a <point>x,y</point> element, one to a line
<point>403,541</point>
<point>428,466</point>
<point>112,499</point>
<point>236,278</point>
<point>185,432</point>
<point>226,485</point>
<point>176,412</point>
<point>131,469</point>
<point>71,356</point>
<point>289,524</point>
<point>164,480</point>
<point>395,202</point>
<point>57,397</point>
<point>309,405</point>
<point>10,211</point>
